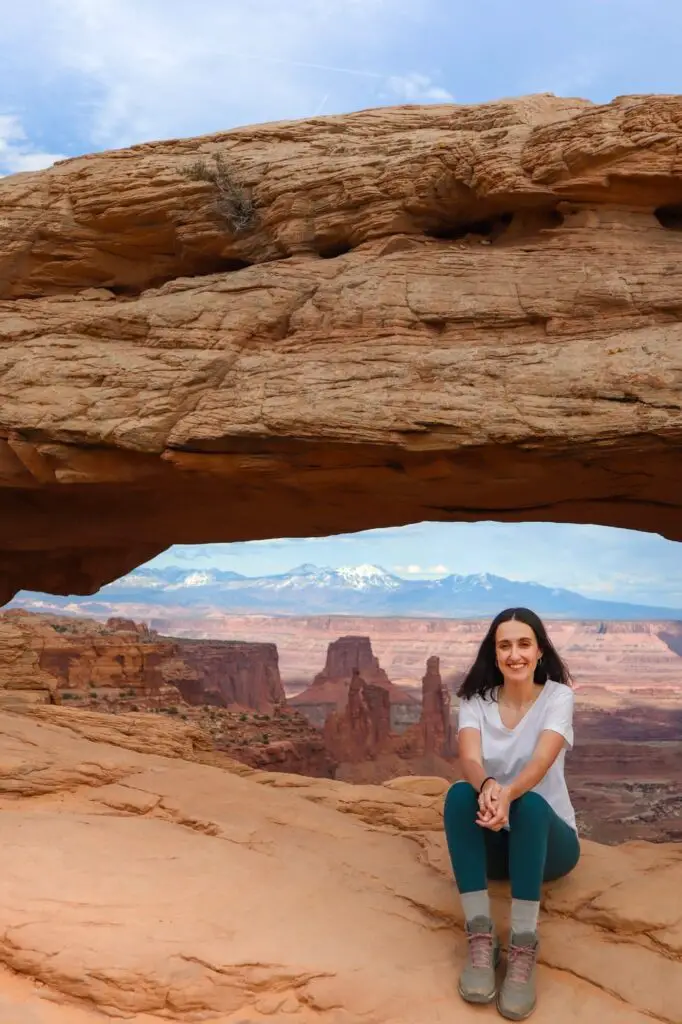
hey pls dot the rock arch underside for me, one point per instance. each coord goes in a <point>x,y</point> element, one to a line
<point>416,313</point>
<point>436,312</point>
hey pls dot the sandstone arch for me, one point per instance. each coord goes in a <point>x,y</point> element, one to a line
<point>437,313</point>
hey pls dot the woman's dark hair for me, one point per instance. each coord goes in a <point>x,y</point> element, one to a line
<point>484,675</point>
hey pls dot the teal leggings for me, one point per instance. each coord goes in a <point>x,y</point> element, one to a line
<point>539,846</point>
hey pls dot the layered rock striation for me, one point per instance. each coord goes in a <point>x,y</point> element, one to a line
<point>51,658</point>
<point>350,664</point>
<point>57,658</point>
<point>230,673</point>
<point>360,738</point>
<point>435,729</point>
<point>389,251</point>
<point>362,731</point>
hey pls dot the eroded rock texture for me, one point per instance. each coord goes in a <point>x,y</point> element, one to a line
<point>365,747</point>
<point>362,731</point>
<point>53,658</point>
<point>230,672</point>
<point>434,730</point>
<point>436,312</point>
<point>350,667</point>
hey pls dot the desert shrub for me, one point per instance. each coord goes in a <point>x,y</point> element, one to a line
<point>265,737</point>
<point>243,718</point>
<point>233,202</point>
<point>172,710</point>
<point>134,707</point>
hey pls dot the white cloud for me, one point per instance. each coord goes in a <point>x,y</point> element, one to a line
<point>418,570</point>
<point>145,72</point>
<point>418,88</point>
<point>16,152</point>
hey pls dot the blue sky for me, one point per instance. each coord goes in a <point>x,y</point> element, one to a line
<point>79,76</point>
<point>83,75</point>
<point>597,561</point>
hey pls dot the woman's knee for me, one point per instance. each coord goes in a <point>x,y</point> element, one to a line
<point>531,806</point>
<point>461,797</point>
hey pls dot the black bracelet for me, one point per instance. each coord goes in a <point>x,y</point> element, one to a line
<point>491,778</point>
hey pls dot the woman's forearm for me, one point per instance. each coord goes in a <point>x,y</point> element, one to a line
<point>527,778</point>
<point>473,772</point>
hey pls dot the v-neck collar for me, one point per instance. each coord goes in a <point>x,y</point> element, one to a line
<point>523,719</point>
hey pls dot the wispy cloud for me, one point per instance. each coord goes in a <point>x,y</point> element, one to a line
<point>143,72</point>
<point>414,569</point>
<point>418,88</point>
<point>16,151</point>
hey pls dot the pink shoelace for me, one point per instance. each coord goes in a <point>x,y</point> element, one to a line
<point>481,949</point>
<point>521,963</point>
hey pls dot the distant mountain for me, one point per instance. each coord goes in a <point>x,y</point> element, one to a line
<point>353,590</point>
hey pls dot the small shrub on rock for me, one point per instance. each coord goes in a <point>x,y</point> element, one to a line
<point>233,202</point>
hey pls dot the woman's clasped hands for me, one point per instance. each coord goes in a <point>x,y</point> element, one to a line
<point>493,806</point>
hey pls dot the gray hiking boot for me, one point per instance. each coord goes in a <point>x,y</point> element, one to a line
<point>516,1000</point>
<point>477,980</point>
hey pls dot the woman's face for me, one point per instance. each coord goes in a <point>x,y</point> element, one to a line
<point>517,651</point>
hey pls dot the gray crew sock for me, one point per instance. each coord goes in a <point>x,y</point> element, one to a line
<point>524,916</point>
<point>475,904</point>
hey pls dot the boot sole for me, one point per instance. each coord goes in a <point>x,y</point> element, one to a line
<point>485,1000</point>
<point>515,1016</point>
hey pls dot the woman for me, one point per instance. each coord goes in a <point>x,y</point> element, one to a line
<point>511,816</point>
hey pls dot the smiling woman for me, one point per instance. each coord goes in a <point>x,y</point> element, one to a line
<point>512,816</point>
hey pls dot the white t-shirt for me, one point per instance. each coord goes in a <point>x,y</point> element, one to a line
<point>506,751</point>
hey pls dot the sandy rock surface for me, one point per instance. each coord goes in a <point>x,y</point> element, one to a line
<point>146,887</point>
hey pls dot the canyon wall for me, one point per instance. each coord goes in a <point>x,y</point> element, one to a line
<point>52,658</point>
<point>229,673</point>
<point>231,690</point>
<point>620,656</point>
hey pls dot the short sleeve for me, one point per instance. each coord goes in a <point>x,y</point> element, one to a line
<point>559,713</point>
<point>469,716</point>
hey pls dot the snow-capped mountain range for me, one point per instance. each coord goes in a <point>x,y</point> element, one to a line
<point>361,589</point>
